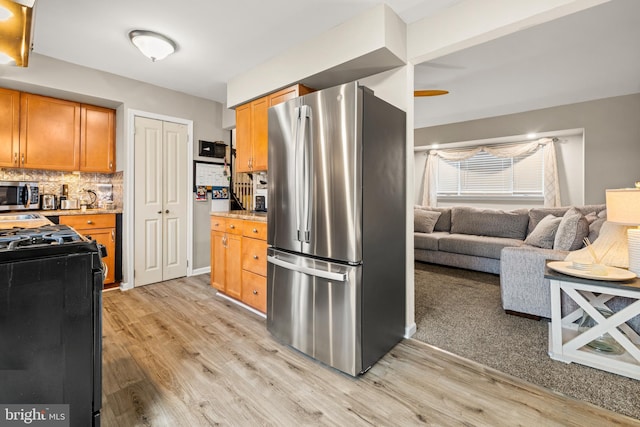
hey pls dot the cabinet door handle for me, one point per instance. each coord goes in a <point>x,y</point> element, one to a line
<point>255,257</point>
<point>15,158</point>
<point>232,226</point>
<point>22,155</point>
<point>89,221</point>
<point>113,235</point>
<point>255,292</point>
<point>110,165</point>
<point>255,230</point>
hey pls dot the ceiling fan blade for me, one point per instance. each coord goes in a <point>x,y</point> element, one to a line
<point>430,92</point>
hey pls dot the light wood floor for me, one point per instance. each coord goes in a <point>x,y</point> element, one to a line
<point>177,355</point>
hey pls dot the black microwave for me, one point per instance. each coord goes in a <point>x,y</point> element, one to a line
<point>16,195</point>
<point>217,149</point>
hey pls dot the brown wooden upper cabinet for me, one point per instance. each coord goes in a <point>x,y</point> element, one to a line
<point>39,132</point>
<point>252,128</point>
<point>97,139</point>
<point>9,128</point>
<point>49,133</point>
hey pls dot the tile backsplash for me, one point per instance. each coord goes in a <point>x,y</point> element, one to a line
<point>106,186</point>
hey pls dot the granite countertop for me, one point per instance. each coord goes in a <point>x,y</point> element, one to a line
<point>248,215</point>
<point>62,212</point>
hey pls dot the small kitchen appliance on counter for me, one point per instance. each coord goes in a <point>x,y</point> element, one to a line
<point>48,202</point>
<point>19,195</point>
<point>51,321</point>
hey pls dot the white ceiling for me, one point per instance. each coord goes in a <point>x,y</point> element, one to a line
<point>217,40</point>
<point>588,55</point>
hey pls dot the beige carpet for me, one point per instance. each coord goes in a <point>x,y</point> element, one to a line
<point>460,311</point>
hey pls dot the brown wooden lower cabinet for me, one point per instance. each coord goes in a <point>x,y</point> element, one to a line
<point>102,229</point>
<point>239,260</point>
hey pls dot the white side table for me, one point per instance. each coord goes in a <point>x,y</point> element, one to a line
<point>568,345</point>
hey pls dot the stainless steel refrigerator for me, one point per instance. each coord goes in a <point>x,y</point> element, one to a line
<point>336,226</point>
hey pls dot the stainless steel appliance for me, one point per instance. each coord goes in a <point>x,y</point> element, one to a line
<point>69,204</point>
<point>19,195</point>
<point>51,321</point>
<point>48,202</point>
<point>336,226</point>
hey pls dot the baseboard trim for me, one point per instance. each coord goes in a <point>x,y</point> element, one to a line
<point>241,304</point>
<point>203,270</point>
<point>126,286</point>
<point>409,330</point>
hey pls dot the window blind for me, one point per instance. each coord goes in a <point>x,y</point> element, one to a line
<point>487,175</point>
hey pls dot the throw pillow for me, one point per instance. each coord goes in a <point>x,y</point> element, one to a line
<point>594,229</point>
<point>544,234</point>
<point>424,221</point>
<point>572,230</point>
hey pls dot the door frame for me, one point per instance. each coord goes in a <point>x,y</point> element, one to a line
<point>128,214</point>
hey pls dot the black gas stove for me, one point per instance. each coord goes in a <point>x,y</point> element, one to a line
<point>51,280</point>
<point>55,234</point>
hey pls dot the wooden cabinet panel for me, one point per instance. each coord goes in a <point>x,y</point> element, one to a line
<point>89,221</point>
<point>218,223</point>
<point>107,238</point>
<point>234,226</point>
<point>254,256</point>
<point>97,139</point>
<point>243,138</point>
<point>49,133</point>
<point>255,229</point>
<point>260,136</point>
<point>218,270</point>
<point>254,290</point>
<point>233,279</point>
<point>101,228</point>
<point>9,127</point>
<point>252,134</point>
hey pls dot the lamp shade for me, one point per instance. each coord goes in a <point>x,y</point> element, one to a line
<point>154,46</point>
<point>623,206</point>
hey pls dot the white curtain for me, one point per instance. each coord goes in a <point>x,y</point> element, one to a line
<point>551,183</point>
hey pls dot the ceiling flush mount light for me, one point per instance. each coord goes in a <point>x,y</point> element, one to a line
<point>154,46</point>
<point>15,32</point>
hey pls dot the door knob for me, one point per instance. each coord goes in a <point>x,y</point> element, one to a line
<point>167,211</point>
<point>159,212</point>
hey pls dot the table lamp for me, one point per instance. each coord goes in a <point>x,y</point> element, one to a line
<point>623,207</point>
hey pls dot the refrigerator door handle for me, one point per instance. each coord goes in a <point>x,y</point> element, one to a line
<point>337,277</point>
<point>302,173</point>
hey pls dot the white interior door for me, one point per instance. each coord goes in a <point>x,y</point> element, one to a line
<point>160,201</point>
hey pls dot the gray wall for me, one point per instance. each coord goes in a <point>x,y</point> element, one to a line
<point>611,131</point>
<point>48,76</point>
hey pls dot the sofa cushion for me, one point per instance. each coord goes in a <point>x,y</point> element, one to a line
<point>482,246</point>
<point>424,220</point>
<point>428,241</point>
<point>537,214</point>
<point>489,222</point>
<point>544,234</point>
<point>444,222</point>
<point>572,230</point>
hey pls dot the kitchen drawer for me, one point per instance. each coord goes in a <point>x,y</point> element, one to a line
<point>255,230</point>
<point>218,223</point>
<point>234,226</point>
<point>254,290</point>
<point>89,221</point>
<point>254,256</point>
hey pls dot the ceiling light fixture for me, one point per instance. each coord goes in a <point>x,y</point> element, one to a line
<point>15,33</point>
<point>153,45</point>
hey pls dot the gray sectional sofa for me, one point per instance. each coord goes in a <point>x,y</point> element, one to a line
<point>512,244</point>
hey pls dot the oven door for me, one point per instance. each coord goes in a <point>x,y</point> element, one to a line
<point>50,333</point>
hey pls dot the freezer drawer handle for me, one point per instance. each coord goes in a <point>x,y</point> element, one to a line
<point>338,277</point>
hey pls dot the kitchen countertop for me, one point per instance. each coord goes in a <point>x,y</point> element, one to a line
<point>62,212</point>
<point>251,216</point>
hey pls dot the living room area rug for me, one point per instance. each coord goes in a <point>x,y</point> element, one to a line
<point>460,311</point>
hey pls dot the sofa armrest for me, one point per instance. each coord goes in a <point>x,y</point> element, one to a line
<point>523,287</point>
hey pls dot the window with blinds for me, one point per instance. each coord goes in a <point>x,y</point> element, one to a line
<point>484,175</point>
